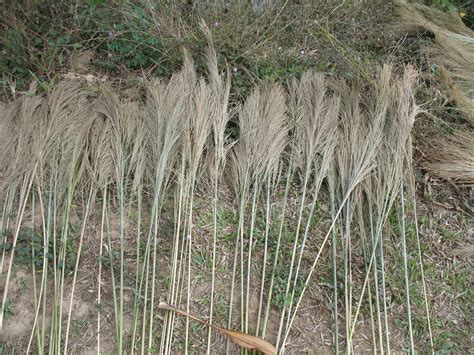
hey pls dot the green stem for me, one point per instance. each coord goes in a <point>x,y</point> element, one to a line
<point>153,278</point>
<point>214,246</point>
<point>189,239</point>
<point>303,242</point>
<point>238,242</point>
<point>405,264</point>
<point>37,298</point>
<point>265,252</point>
<point>76,267</point>
<point>376,277</point>
<point>277,249</point>
<point>137,274</point>
<point>384,293</point>
<point>27,183</point>
<point>347,286</point>
<point>367,270</point>
<point>420,260</point>
<point>293,254</point>
<point>176,271</point>
<point>334,266</point>
<point>99,277</point>
<point>313,266</point>
<point>256,191</point>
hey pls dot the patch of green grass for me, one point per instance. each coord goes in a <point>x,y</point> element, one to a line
<point>449,332</point>
<point>8,310</point>
<point>282,269</point>
<point>226,219</point>
<point>451,235</point>
<point>202,262</point>
<point>30,249</point>
<point>220,306</point>
<point>22,283</point>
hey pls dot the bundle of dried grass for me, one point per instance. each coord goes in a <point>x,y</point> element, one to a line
<point>373,147</point>
<point>454,53</point>
<point>255,158</point>
<point>315,114</point>
<point>60,148</point>
<point>453,158</point>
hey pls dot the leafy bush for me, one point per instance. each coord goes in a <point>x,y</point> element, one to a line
<point>43,39</point>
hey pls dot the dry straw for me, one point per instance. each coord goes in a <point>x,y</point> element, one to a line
<point>83,147</point>
<point>453,158</point>
<point>454,52</point>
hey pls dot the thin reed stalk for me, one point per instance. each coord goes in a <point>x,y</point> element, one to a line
<point>263,137</point>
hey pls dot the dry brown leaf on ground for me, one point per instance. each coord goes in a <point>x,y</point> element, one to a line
<point>243,340</point>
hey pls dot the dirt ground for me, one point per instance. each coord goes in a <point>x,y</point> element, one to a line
<point>445,232</point>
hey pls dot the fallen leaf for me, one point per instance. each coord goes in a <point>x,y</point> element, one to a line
<point>250,341</point>
<point>242,339</point>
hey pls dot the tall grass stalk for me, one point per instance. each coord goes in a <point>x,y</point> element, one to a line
<point>48,235</point>
<point>36,297</point>
<point>112,272</point>
<point>268,208</point>
<point>293,255</point>
<point>402,216</point>
<point>76,266</point>
<point>365,246</point>
<point>347,217</point>
<point>196,129</point>
<point>41,303</point>
<point>176,265</point>
<point>24,193</point>
<point>263,138</point>
<point>121,118</point>
<point>204,103</point>
<point>331,183</point>
<point>376,277</point>
<point>289,179</point>
<point>389,172</point>
<point>378,239</point>
<point>308,278</point>
<point>238,246</point>
<point>253,216</point>
<point>137,300</point>
<point>219,118</point>
<point>60,270</point>
<point>99,276</point>
<point>411,187</point>
<point>420,257</point>
<point>361,136</point>
<point>316,120</point>
<point>7,207</point>
<point>189,240</point>
<point>163,114</point>
<point>384,293</point>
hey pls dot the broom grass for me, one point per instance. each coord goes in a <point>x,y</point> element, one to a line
<point>91,145</point>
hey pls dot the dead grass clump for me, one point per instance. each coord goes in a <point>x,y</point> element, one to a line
<point>453,158</point>
<point>454,52</point>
